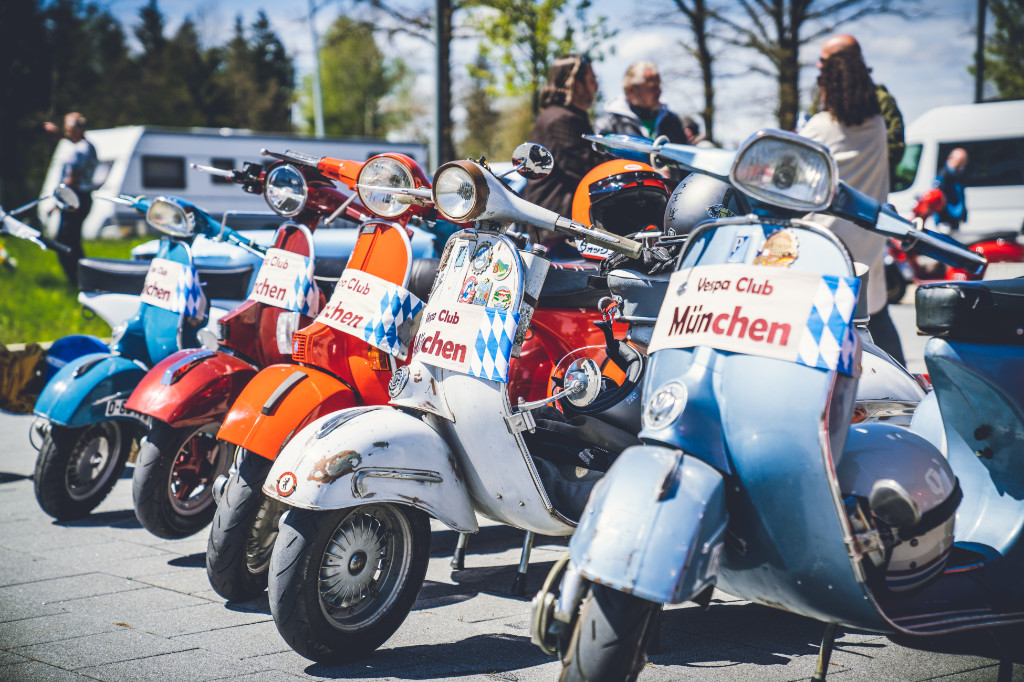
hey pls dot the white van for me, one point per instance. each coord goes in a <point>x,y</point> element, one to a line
<point>153,161</point>
<point>993,135</point>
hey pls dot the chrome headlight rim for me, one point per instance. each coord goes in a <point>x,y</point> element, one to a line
<point>272,192</point>
<point>168,216</point>
<point>781,200</point>
<point>476,179</point>
<point>392,205</point>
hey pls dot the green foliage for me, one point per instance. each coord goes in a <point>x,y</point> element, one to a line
<point>36,302</point>
<point>358,83</point>
<point>482,119</point>
<point>1004,49</point>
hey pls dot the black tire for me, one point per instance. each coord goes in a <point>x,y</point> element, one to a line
<point>301,572</point>
<point>172,486</point>
<point>895,284</point>
<point>610,638</point>
<point>243,532</point>
<point>77,467</point>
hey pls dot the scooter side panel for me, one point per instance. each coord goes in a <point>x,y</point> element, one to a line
<point>79,393</point>
<point>278,402</point>
<point>370,455</point>
<point>191,387</point>
<point>654,526</point>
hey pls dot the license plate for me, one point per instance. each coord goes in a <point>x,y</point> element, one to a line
<point>116,408</point>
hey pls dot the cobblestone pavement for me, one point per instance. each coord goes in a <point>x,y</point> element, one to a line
<point>103,599</point>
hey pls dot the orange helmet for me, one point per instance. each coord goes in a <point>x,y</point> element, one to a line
<point>622,197</point>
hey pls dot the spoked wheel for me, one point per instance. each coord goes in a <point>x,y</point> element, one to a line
<point>610,637</point>
<point>243,532</point>
<point>342,582</point>
<point>173,483</point>
<point>77,467</point>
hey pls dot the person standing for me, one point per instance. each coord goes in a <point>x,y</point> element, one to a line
<point>851,126</point>
<point>951,181</point>
<point>639,111</point>
<point>693,135</point>
<point>78,162</point>
<point>561,125</point>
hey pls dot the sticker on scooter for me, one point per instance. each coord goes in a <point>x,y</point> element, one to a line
<point>502,298</point>
<point>379,312</point>
<point>285,280</point>
<point>483,290</point>
<point>779,250</point>
<point>481,259</point>
<point>173,286</point>
<point>501,268</point>
<point>802,317</point>
<point>739,249</point>
<point>468,292</point>
<point>116,408</point>
<point>286,483</point>
<point>460,258</point>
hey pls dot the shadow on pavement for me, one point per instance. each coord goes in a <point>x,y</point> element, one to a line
<point>122,518</point>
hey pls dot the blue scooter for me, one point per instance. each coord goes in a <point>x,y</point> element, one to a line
<point>86,431</point>
<point>757,476</point>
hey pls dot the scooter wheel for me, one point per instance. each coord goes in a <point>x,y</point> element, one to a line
<point>341,582</point>
<point>243,532</point>
<point>77,467</point>
<point>609,640</point>
<point>172,487</point>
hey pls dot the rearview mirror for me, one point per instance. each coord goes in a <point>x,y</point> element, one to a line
<point>532,161</point>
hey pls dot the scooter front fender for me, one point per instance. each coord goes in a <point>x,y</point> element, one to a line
<point>277,403</point>
<point>84,391</point>
<point>191,387</point>
<point>370,455</point>
<point>654,526</point>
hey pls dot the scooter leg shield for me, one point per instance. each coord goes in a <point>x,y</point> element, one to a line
<point>88,390</point>
<point>191,387</point>
<point>654,526</point>
<point>279,401</point>
<point>372,455</point>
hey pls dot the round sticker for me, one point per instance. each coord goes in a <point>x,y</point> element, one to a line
<point>286,484</point>
<point>501,268</point>
<point>779,250</point>
<point>481,259</point>
<point>468,292</point>
<point>502,298</point>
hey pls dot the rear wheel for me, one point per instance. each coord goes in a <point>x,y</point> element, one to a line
<point>342,582</point>
<point>77,467</point>
<point>243,532</point>
<point>610,637</point>
<point>173,482</point>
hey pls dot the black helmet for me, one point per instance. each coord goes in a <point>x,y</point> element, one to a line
<point>701,197</point>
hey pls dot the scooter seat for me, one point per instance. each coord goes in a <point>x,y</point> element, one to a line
<point>990,312</point>
<point>119,276</point>
<point>641,294</point>
<point>421,279</point>
<point>571,287</point>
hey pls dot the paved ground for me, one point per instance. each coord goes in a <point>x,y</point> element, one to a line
<point>103,599</point>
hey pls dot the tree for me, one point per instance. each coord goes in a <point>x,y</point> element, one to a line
<point>257,77</point>
<point>699,20</point>
<point>1004,49</point>
<point>357,80</point>
<point>777,29</point>
<point>482,119</point>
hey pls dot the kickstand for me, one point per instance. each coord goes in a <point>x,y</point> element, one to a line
<point>828,641</point>
<point>519,584</point>
<point>459,557</point>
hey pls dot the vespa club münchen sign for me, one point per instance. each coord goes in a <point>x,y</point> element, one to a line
<point>802,317</point>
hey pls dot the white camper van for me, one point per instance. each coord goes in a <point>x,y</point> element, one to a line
<point>993,135</point>
<point>149,160</point>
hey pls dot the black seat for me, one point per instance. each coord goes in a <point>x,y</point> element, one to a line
<point>989,312</point>
<point>641,294</point>
<point>569,286</point>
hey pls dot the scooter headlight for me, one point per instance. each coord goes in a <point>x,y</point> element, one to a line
<point>385,171</point>
<point>786,170</point>
<point>285,190</point>
<point>170,218</point>
<point>460,191</point>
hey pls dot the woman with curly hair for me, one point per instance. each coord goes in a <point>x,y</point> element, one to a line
<point>851,126</point>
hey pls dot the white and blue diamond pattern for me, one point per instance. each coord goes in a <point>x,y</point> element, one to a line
<point>189,296</point>
<point>827,340</point>
<point>303,296</point>
<point>397,306</point>
<point>493,347</point>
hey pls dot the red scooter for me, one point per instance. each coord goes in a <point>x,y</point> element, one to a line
<point>905,266</point>
<point>188,394</point>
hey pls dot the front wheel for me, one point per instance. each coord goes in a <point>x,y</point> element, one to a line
<point>77,467</point>
<point>243,532</point>
<point>341,582</point>
<point>172,487</point>
<point>610,637</point>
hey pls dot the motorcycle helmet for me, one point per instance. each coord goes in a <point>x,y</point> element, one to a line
<point>912,495</point>
<point>700,197</point>
<point>621,197</point>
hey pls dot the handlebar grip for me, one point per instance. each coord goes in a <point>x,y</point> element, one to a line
<point>613,242</point>
<point>948,250</point>
<point>54,245</point>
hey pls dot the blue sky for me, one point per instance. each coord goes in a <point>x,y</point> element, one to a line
<point>923,62</point>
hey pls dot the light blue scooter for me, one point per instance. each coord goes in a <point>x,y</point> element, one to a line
<point>86,432</point>
<point>756,475</point>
